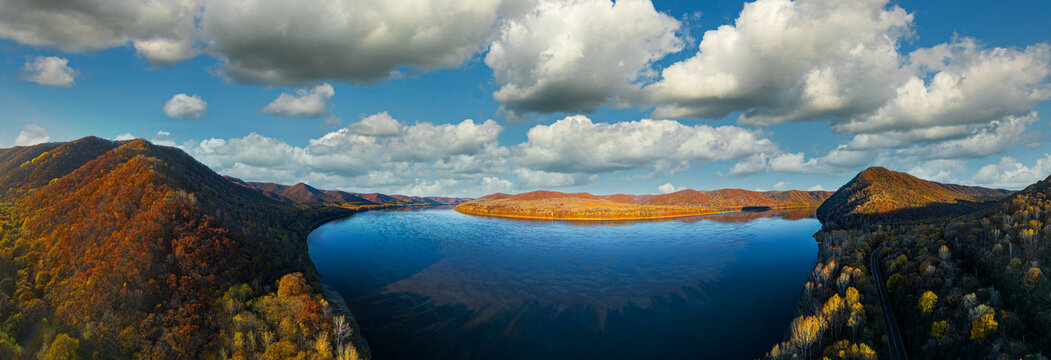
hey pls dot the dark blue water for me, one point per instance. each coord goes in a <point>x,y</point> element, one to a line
<point>437,284</point>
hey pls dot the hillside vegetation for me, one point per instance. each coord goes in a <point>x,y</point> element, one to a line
<point>877,194</point>
<point>584,206</point>
<point>971,286</point>
<point>305,194</point>
<point>117,250</point>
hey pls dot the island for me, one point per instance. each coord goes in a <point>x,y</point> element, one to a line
<point>553,205</point>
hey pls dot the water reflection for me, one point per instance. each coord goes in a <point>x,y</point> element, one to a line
<point>439,284</point>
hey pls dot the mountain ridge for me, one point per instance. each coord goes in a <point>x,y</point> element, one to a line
<point>129,247</point>
<point>301,193</point>
<point>877,194</point>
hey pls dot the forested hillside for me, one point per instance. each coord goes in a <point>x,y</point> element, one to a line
<point>585,206</point>
<point>305,194</point>
<point>118,250</point>
<point>878,194</point>
<point>966,287</point>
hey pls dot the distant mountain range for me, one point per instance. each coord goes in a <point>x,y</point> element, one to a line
<point>878,194</point>
<point>305,194</point>
<point>585,206</point>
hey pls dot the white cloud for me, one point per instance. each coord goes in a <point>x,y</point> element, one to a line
<point>362,41</point>
<point>984,139</point>
<point>305,102</point>
<point>1011,174</point>
<point>570,56</point>
<point>781,185</point>
<point>967,85</point>
<point>941,170</point>
<point>817,187</point>
<point>49,71</point>
<point>667,188</point>
<point>264,41</point>
<point>379,124</point>
<point>839,161</point>
<point>154,27</point>
<point>32,134</point>
<point>182,106</point>
<point>412,161</point>
<point>161,51</point>
<point>787,61</point>
<point>163,138</point>
<point>124,136</point>
<point>544,179</point>
<point>577,145</point>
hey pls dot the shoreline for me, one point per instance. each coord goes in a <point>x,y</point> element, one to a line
<point>696,214</point>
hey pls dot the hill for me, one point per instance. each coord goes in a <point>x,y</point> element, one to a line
<point>131,250</point>
<point>583,206</point>
<point>877,194</point>
<point>969,286</point>
<point>305,194</point>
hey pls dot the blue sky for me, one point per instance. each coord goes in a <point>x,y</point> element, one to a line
<point>785,95</point>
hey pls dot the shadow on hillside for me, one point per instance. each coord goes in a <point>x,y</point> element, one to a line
<point>931,211</point>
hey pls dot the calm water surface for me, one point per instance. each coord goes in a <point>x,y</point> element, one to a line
<point>437,284</point>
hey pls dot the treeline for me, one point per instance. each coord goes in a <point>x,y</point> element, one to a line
<point>141,252</point>
<point>839,316</point>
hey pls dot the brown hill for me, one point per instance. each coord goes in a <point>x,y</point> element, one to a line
<point>305,194</point>
<point>30,167</point>
<point>878,194</point>
<point>128,247</point>
<point>584,206</point>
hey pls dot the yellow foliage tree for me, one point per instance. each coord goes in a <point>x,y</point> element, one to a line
<point>939,329</point>
<point>984,325</point>
<point>927,302</point>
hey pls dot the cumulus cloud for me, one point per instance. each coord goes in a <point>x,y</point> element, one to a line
<point>928,152</point>
<point>817,187</point>
<point>124,136</point>
<point>163,138</point>
<point>983,140</point>
<point>380,124</point>
<point>544,179</point>
<point>362,41</point>
<point>462,155</point>
<point>967,85</point>
<point>667,188</point>
<point>381,153</point>
<point>789,60</point>
<point>781,185</point>
<point>32,134</point>
<point>1012,174</point>
<point>49,71</point>
<point>304,102</point>
<point>274,42</point>
<point>941,170</point>
<point>182,106</point>
<point>577,145</point>
<point>162,31</point>
<point>577,55</point>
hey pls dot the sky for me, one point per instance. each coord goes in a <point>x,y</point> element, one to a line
<point>470,97</point>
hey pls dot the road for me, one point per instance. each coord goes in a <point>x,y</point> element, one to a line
<point>897,347</point>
